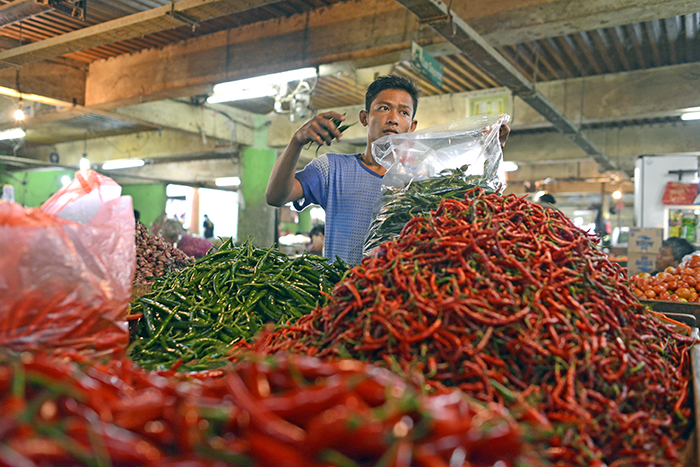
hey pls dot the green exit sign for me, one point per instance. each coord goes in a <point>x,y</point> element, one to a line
<point>426,64</point>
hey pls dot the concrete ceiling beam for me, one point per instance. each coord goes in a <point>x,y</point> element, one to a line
<point>167,144</point>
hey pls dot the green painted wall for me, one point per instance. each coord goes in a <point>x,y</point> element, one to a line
<point>256,219</point>
<point>304,220</point>
<point>301,227</point>
<point>149,199</point>
<point>35,187</point>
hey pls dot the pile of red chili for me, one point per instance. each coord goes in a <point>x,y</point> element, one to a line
<point>512,303</point>
<point>264,412</point>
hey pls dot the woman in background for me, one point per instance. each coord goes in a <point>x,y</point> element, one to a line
<point>671,253</point>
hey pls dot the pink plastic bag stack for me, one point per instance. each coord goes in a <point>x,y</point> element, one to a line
<point>65,284</point>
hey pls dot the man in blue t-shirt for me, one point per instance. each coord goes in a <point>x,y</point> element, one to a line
<point>347,186</point>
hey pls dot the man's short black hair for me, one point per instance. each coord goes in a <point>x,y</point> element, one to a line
<point>679,246</point>
<point>318,230</point>
<point>392,82</point>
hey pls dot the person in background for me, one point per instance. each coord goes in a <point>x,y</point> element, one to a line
<point>208,228</point>
<point>158,224</point>
<point>547,201</point>
<point>317,234</point>
<point>171,231</point>
<point>671,253</point>
<point>346,186</point>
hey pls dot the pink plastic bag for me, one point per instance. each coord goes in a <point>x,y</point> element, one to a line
<point>66,285</point>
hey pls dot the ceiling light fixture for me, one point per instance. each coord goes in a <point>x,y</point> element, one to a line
<point>259,86</point>
<point>228,181</point>
<point>84,163</point>
<point>13,133</point>
<point>122,164</point>
<point>19,113</point>
<point>690,116</point>
<point>617,194</point>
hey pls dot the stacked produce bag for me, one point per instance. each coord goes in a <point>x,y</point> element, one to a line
<point>426,166</point>
<point>66,269</point>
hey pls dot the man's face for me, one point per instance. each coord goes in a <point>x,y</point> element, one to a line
<point>391,112</point>
<point>665,258</point>
<point>317,242</point>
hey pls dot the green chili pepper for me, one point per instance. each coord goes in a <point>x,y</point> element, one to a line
<point>339,125</point>
<point>196,313</point>
<point>417,198</point>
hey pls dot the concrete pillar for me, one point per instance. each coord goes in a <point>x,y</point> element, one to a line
<point>256,219</point>
<point>194,225</point>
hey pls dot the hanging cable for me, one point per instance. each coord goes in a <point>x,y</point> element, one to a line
<point>19,113</point>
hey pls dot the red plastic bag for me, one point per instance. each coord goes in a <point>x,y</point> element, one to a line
<point>680,193</point>
<point>66,285</point>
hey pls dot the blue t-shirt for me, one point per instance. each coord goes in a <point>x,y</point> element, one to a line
<point>343,186</point>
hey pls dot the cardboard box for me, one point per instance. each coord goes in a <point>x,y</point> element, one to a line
<point>645,240</point>
<point>640,262</point>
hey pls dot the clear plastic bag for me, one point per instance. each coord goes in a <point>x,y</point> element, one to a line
<point>438,162</point>
<point>66,285</point>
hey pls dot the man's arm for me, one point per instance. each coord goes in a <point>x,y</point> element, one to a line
<point>283,186</point>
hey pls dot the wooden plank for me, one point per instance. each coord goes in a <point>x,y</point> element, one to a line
<point>667,306</point>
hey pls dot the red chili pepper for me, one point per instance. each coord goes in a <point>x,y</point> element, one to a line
<point>517,290</point>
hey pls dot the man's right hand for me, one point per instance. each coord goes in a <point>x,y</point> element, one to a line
<point>320,129</point>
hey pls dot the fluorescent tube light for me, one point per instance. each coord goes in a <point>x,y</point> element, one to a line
<point>13,133</point>
<point>228,181</point>
<point>509,166</point>
<point>241,94</point>
<point>690,116</point>
<point>122,164</point>
<point>260,86</point>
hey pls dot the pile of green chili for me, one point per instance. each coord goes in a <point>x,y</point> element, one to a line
<point>418,198</point>
<point>194,315</point>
